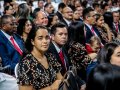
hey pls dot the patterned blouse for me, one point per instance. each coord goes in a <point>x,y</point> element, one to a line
<point>104,35</point>
<point>78,55</point>
<point>31,72</point>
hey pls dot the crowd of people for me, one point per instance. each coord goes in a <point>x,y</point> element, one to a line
<point>41,45</point>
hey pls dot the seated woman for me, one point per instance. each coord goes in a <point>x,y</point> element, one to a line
<point>76,16</point>
<point>104,77</point>
<point>38,70</point>
<point>103,28</point>
<point>8,10</point>
<point>76,48</point>
<point>52,19</point>
<point>24,27</point>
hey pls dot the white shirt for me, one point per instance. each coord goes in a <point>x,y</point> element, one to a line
<point>57,48</point>
<point>90,27</point>
<point>68,22</point>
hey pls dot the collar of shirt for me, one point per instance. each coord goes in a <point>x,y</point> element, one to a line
<point>68,22</point>
<point>89,26</point>
<point>57,48</point>
<point>115,23</point>
<point>81,18</point>
<point>7,35</point>
<point>59,12</point>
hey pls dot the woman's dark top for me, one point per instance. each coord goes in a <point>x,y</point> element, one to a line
<point>32,72</point>
<point>78,55</point>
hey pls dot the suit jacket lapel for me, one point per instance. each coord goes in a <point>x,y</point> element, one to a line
<point>6,40</point>
<point>66,59</point>
<point>19,42</point>
<point>53,49</point>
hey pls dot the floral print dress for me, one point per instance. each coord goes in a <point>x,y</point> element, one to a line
<point>78,55</point>
<point>31,72</point>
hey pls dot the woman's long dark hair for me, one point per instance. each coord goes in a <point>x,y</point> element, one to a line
<point>76,32</point>
<point>104,56</point>
<point>21,25</point>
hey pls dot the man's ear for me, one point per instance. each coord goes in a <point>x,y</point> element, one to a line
<point>3,26</point>
<point>52,37</point>
<point>87,17</point>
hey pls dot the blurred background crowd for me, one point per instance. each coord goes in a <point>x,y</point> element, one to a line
<point>41,39</point>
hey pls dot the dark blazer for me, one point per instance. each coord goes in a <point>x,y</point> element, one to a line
<point>114,28</point>
<point>59,15</point>
<point>89,34</point>
<point>8,53</point>
<point>63,21</point>
<point>53,50</point>
<point>81,19</point>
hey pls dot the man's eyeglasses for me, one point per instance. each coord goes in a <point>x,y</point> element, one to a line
<point>14,23</point>
<point>93,15</point>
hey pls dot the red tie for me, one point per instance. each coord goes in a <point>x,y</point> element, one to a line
<point>15,46</point>
<point>92,30</point>
<point>62,58</point>
<point>116,27</point>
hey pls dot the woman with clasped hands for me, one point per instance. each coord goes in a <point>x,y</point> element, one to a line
<point>38,70</point>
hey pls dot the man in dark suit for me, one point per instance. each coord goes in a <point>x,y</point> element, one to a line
<point>11,45</point>
<point>67,14</point>
<point>59,12</point>
<point>59,36</point>
<point>89,20</point>
<point>80,10</point>
<point>116,24</point>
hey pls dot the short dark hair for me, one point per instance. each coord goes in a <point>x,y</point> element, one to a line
<point>104,55</point>
<point>61,5</point>
<point>104,77</point>
<point>4,18</point>
<point>46,5</point>
<point>36,10</point>
<point>57,25</point>
<point>86,12</point>
<point>31,36</point>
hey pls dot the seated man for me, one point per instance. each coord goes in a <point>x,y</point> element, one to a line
<point>59,36</point>
<point>11,45</point>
